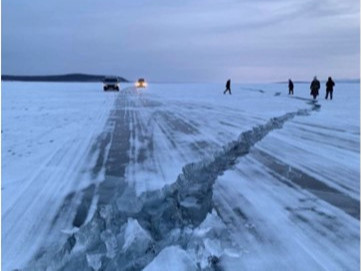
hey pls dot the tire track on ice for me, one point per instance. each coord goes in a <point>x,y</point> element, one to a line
<point>311,184</point>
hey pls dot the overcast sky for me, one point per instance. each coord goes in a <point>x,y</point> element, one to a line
<point>183,41</point>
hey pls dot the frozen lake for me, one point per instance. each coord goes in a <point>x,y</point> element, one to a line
<point>180,176</point>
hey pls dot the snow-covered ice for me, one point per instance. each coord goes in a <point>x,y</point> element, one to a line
<point>179,175</point>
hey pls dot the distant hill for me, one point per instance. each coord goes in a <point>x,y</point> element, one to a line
<point>354,81</point>
<point>348,81</point>
<point>72,77</point>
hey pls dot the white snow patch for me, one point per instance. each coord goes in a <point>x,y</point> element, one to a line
<point>172,258</point>
<point>135,236</point>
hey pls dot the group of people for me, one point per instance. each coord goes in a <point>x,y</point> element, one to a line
<point>315,87</point>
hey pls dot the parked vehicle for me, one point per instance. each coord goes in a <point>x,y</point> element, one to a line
<point>141,83</point>
<point>111,83</point>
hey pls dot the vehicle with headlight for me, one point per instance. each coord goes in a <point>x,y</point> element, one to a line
<point>141,83</point>
<point>111,83</point>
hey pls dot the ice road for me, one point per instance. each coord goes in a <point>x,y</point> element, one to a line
<point>179,177</point>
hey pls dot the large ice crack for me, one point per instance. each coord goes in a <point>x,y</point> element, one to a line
<point>129,232</point>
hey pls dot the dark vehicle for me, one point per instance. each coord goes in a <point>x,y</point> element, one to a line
<point>141,83</point>
<point>111,83</point>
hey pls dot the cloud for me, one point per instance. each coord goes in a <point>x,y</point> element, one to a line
<point>184,40</point>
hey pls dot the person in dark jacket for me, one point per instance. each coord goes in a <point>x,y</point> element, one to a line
<point>290,87</point>
<point>315,87</point>
<point>228,87</point>
<point>329,87</point>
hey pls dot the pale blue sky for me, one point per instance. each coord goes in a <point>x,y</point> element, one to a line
<point>183,41</point>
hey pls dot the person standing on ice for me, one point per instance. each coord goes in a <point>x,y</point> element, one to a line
<point>315,87</point>
<point>290,87</point>
<point>329,87</point>
<point>228,87</point>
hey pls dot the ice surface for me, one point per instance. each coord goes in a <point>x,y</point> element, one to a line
<point>47,131</point>
<point>179,175</point>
